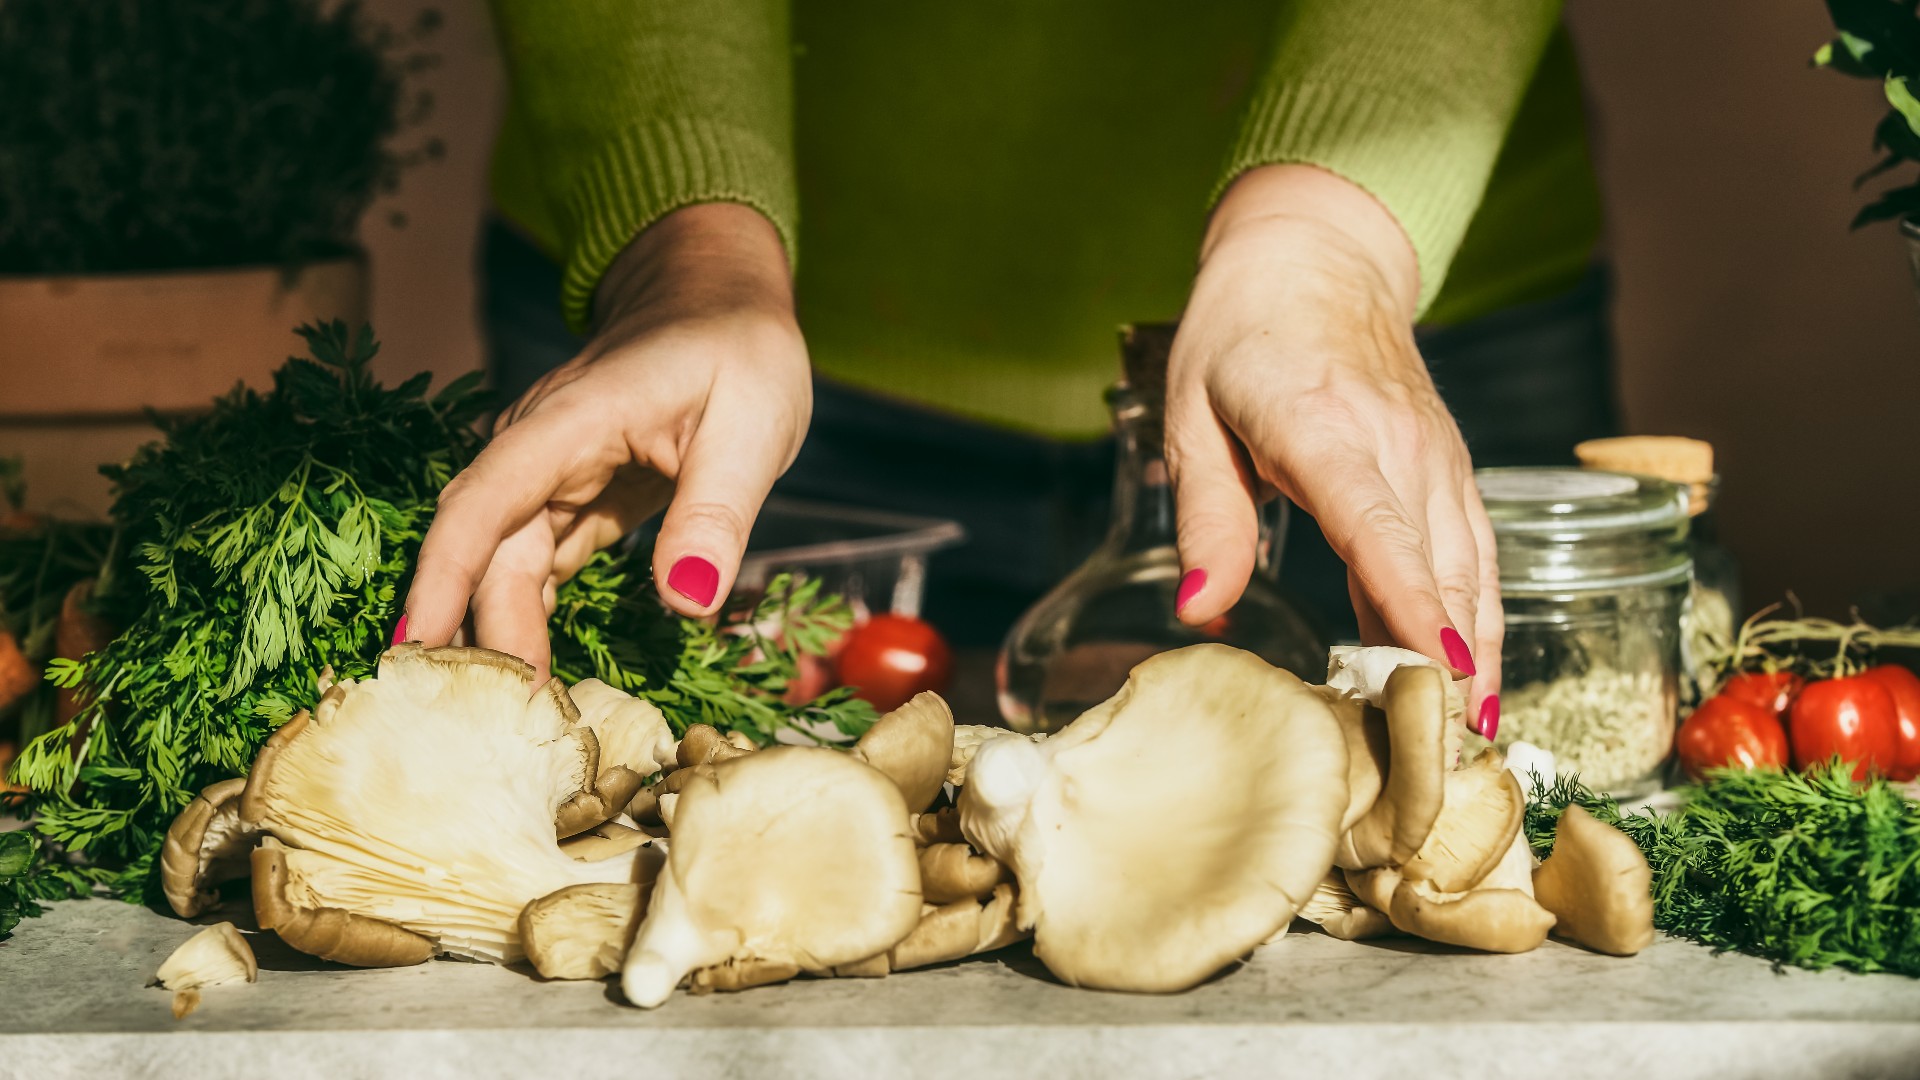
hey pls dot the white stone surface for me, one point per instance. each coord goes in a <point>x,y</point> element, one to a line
<point>73,1002</point>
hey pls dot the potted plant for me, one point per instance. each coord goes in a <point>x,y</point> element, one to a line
<point>181,181</point>
<point>1880,40</point>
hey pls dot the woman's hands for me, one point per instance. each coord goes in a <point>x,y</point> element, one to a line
<point>694,393</point>
<point>1295,370</point>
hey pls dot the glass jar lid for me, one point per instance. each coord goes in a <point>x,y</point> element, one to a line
<point>1576,530</point>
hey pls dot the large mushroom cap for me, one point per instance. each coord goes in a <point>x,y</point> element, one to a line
<point>1171,829</point>
<point>423,800</point>
<point>788,859</point>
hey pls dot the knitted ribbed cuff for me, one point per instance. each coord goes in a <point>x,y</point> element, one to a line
<point>653,169</point>
<point>1385,144</point>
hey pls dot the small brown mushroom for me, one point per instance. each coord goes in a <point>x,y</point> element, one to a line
<point>703,745</point>
<point>1491,920</point>
<point>1482,811</point>
<point>1335,909</point>
<point>940,826</point>
<point>1598,884</point>
<point>582,931</point>
<point>205,846</point>
<point>740,973</point>
<point>913,746</point>
<point>1412,791</point>
<point>950,872</point>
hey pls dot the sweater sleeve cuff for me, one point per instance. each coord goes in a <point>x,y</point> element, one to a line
<point>653,169</point>
<point>1383,143</point>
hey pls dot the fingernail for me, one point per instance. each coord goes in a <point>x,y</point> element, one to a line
<point>1190,586</point>
<point>694,578</point>
<point>400,629</point>
<point>1458,654</point>
<point>1490,718</point>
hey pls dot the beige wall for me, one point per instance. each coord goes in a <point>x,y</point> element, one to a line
<point>1748,314</point>
<point>423,273</point>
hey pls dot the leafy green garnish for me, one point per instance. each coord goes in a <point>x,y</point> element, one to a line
<point>732,675</point>
<point>271,538</point>
<point>1809,869</point>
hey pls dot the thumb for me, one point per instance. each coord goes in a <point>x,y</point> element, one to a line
<point>1215,517</point>
<point>722,483</point>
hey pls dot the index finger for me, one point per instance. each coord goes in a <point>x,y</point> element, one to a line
<point>505,486</point>
<point>1386,552</point>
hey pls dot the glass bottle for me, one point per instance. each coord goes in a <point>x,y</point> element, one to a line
<point>1073,649</point>
<point>1595,570</point>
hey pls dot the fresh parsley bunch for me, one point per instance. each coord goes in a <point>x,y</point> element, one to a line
<point>272,537</point>
<point>257,544</point>
<point>1807,869</point>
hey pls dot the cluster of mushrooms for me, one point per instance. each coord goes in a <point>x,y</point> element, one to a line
<point>447,807</point>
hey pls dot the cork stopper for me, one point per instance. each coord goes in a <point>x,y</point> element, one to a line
<point>1672,458</point>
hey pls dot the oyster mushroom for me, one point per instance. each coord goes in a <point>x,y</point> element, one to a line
<point>784,860</point>
<point>1127,893</point>
<point>1597,883</point>
<point>414,812</point>
<point>206,845</point>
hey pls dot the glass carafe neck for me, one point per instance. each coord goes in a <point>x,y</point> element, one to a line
<point>1142,496</point>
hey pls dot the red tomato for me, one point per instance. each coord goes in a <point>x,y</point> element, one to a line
<point>1853,718</point>
<point>890,658</point>
<point>1771,690</point>
<point>1904,686</point>
<point>1731,731</point>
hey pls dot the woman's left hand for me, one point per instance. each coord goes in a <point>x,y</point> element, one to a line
<point>1295,371</point>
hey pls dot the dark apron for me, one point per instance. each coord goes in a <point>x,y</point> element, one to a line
<point>1524,384</point>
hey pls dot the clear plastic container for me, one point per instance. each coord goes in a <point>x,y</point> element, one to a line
<point>875,558</point>
<point>1594,575</point>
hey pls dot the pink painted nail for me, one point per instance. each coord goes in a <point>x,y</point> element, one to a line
<point>1490,717</point>
<point>400,629</point>
<point>694,578</point>
<point>1190,586</point>
<point>1458,654</point>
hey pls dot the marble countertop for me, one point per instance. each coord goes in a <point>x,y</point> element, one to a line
<point>74,1002</point>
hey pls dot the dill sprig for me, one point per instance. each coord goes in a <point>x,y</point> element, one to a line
<point>1809,869</point>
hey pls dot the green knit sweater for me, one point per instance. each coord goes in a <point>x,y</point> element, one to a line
<point>975,194</point>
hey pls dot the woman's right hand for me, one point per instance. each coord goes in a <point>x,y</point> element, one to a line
<point>694,393</point>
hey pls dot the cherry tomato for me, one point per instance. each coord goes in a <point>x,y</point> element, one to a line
<point>1904,686</point>
<point>1853,717</point>
<point>1771,690</point>
<point>1727,731</point>
<point>890,658</point>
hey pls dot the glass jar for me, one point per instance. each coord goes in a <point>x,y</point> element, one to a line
<point>1594,575</point>
<point>1073,648</point>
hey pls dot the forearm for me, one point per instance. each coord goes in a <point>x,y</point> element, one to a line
<point>701,260</point>
<point>1410,100</point>
<point>635,110</point>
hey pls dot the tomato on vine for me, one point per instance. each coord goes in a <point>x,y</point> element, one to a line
<point>1731,731</point>
<point>1904,687</point>
<point>1852,717</point>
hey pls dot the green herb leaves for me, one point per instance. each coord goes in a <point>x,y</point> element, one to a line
<point>734,675</point>
<point>271,538</point>
<point>1811,870</point>
<point>262,541</point>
